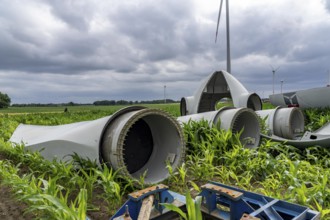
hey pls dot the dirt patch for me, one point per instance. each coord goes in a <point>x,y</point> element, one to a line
<point>11,209</point>
<point>2,156</point>
<point>101,212</point>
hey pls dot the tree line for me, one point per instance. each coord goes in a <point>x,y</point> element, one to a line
<point>97,103</point>
<point>125,102</point>
<point>49,104</point>
<point>5,102</point>
<point>103,102</point>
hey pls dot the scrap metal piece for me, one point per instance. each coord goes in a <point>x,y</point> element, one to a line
<point>135,140</point>
<point>320,137</point>
<point>216,86</point>
<point>284,122</point>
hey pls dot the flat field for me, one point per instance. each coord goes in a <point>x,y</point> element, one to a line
<point>173,108</point>
<point>81,108</point>
<point>58,190</point>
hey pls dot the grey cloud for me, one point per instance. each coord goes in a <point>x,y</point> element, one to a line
<point>327,4</point>
<point>259,33</point>
<point>76,14</point>
<point>161,31</point>
<point>64,51</point>
<point>157,32</point>
<point>94,50</point>
<point>314,44</point>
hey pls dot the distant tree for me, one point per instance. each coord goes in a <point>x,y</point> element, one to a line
<point>4,100</point>
<point>105,102</point>
<point>121,102</point>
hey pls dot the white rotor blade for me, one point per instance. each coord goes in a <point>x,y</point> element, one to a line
<point>219,15</point>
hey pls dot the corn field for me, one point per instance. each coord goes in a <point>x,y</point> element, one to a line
<point>79,188</point>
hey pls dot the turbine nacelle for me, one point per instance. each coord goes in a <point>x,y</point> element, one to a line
<point>215,87</point>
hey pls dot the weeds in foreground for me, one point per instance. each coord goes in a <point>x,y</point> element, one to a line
<point>45,198</point>
<point>193,207</point>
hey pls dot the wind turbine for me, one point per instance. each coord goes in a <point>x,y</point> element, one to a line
<point>227,33</point>
<point>165,94</point>
<point>274,70</point>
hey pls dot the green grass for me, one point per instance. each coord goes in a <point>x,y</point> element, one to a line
<point>265,105</point>
<point>60,109</point>
<point>173,108</point>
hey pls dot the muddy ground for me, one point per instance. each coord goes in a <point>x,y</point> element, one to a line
<point>11,209</point>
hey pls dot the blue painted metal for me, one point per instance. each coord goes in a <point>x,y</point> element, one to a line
<point>230,203</point>
<point>220,202</point>
<point>134,202</point>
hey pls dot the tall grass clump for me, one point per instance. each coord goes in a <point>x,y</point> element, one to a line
<point>44,197</point>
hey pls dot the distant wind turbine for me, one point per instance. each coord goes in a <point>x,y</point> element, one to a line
<point>273,70</point>
<point>227,32</point>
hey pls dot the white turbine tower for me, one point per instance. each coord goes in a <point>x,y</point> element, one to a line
<point>227,33</point>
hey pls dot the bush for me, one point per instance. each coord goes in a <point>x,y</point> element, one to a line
<point>4,100</point>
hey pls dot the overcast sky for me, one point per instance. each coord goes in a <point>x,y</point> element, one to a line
<point>86,50</point>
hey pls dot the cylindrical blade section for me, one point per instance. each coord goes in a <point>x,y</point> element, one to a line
<point>237,120</point>
<point>284,122</point>
<point>142,141</point>
<point>242,120</point>
<point>135,140</point>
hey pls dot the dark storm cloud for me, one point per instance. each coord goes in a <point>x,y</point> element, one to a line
<point>161,31</point>
<point>28,45</point>
<point>76,14</point>
<point>81,50</point>
<point>139,33</point>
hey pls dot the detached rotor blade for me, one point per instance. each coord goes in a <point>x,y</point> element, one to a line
<point>219,15</point>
